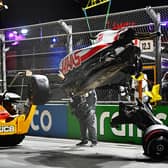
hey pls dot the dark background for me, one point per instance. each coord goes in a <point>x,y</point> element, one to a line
<point>25,12</point>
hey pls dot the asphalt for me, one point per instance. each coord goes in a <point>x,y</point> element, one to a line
<point>38,152</point>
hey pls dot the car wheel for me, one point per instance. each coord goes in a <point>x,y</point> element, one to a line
<point>155,141</point>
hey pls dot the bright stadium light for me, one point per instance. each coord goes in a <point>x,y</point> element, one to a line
<point>24,31</point>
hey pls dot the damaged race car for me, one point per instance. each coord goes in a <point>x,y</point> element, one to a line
<point>110,59</point>
<point>16,115</point>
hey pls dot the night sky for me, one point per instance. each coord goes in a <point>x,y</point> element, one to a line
<point>25,12</point>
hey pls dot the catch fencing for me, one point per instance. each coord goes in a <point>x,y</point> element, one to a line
<point>40,47</point>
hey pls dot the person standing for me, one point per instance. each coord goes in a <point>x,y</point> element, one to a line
<point>139,86</point>
<point>84,108</point>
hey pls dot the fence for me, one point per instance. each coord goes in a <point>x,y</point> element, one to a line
<point>40,47</point>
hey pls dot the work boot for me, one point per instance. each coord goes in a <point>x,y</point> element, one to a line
<point>93,144</point>
<point>82,143</point>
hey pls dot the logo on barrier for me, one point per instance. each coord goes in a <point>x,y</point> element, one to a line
<point>45,126</point>
<point>124,130</point>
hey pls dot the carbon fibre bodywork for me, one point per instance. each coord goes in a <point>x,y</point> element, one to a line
<point>110,59</point>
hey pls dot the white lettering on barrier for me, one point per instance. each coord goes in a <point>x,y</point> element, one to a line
<point>44,127</point>
<point>33,126</point>
<point>139,133</point>
<point>130,130</point>
<point>122,130</point>
<point>161,116</point>
<point>102,118</point>
<point>48,115</point>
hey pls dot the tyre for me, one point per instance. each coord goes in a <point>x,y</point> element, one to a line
<point>11,140</point>
<point>38,89</point>
<point>155,141</point>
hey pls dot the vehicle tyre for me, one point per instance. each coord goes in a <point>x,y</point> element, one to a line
<point>11,140</point>
<point>38,89</point>
<point>155,141</point>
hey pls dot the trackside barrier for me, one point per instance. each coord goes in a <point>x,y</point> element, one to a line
<point>50,121</point>
<point>57,121</point>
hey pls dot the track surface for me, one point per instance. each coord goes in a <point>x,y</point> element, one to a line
<point>37,152</point>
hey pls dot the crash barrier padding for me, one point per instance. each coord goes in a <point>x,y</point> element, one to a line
<point>58,121</point>
<point>50,121</point>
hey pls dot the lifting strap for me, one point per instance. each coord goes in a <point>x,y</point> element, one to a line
<point>94,5</point>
